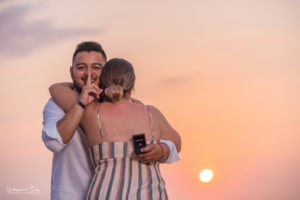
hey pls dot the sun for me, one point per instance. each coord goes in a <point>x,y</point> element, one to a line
<point>206,175</point>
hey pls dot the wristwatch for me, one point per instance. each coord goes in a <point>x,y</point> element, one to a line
<point>80,103</point>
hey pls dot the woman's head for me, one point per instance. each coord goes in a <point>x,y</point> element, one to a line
<point>117,79</point>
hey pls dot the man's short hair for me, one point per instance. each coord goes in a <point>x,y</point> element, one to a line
<point>89,46</point>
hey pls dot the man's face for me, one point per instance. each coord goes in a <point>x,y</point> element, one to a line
<point>83,62</point>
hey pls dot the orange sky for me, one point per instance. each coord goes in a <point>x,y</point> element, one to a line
<point>226,76</point>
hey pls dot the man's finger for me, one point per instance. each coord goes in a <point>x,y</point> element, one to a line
<point>93,91</point>
<point>149,147</point>
<point>145,155</point>
<point>96,88</point>
<point>89,81</point>
<point>100,91</point>
<point>136,101</point>
<point>147,160</point>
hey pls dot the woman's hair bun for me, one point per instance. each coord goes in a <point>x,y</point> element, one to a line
<point>114,92</point>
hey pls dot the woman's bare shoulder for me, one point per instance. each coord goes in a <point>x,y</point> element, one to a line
<point>155,112</point>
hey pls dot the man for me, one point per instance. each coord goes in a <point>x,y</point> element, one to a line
<point>71,167</point>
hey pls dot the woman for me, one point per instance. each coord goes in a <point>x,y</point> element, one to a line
<point>109,127</point>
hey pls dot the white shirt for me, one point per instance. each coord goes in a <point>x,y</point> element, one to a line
<point>72,170</point>
<point>71,167</point>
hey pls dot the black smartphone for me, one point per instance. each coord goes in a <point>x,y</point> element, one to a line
<point>139,142</point>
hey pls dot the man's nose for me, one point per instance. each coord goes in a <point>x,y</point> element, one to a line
<point>86,71</point>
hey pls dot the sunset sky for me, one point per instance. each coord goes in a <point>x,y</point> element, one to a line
<point>224,73</point>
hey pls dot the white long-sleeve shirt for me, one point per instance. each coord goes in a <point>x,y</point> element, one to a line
<point>72,170</point>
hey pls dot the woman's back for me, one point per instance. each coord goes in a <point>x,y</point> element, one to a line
<point>117,174</point>
<point>119,121</point>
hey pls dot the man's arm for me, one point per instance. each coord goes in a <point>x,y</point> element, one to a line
<point>165,152</point>
<point>171,154</point>
<point>51,115</point>
<point>169,145</point>
<point>66,98</point>
<point>69,123</point>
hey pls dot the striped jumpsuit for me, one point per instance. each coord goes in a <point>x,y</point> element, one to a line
<point>118,176</point>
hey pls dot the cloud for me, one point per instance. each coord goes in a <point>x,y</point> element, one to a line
<point>19,37</point>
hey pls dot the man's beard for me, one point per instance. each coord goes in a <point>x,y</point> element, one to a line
<point>77,86</point>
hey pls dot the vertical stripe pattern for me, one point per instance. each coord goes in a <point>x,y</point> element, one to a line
<point>120,177</point>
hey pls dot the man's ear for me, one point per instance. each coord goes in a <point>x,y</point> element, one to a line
<point>71,71</point>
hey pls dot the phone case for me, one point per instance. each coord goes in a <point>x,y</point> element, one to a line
<point>139,142</point>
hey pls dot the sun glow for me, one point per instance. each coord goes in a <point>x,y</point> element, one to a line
<point>206,175</point>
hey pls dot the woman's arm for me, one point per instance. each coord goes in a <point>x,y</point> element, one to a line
<point>63,95</point>
<point>167,132</point>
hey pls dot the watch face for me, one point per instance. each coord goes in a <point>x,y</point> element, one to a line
<point>139,142</point>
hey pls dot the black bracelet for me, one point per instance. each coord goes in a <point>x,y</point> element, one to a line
<point>80,103</point>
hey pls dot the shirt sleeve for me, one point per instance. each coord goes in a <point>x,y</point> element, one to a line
<point>52,114</point>
<point>173,156</point>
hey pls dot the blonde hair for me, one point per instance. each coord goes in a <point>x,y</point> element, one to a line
<point>117,78</point>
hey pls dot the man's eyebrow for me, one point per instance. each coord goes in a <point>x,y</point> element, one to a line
<point>80,64</point>
<point>97,64</point>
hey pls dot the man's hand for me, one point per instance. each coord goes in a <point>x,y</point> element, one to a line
<point>90,91</point>
<point>136,101</point>
<point>153,153</point>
